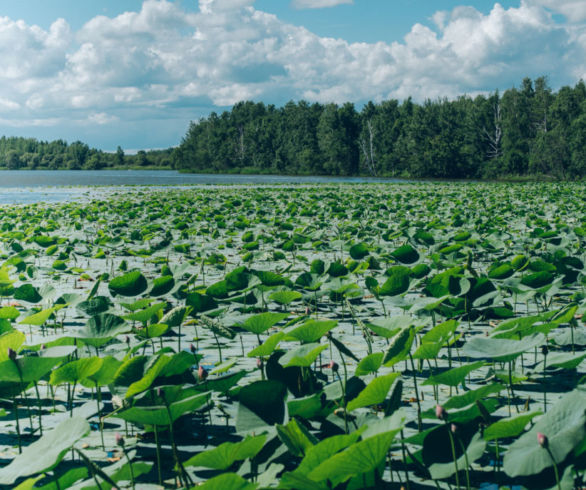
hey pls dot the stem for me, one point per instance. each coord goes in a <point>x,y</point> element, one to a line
<point>157,442</point>
<point>467,463</point>
<point>344,402</point>
<point>183,476</point>
<point>219,347</point>
<point>555,469</point>
<point>454,455</point>
<point>16,418</point>
<point>40,408</point>
<point>130,467</point>
<point>404,460</point>
<point>544,384</point>
<point>419,421</point>
<point>71,400</point>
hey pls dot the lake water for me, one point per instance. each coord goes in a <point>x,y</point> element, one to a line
<point>29,186</point>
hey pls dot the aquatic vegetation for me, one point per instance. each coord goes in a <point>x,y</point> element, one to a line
<point>335,336</point>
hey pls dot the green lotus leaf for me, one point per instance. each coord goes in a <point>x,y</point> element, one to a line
<point>509,427</point>
<point>28,293</point>
<point>223,456</point>
<point>563,425</point>
<point>361,457</point>
<point>399,346</point>
<point>311,330</point>
<point>262,322</point>
<point>303,356</point>
<point>227,481</point>
<point>359,251</point>
<point>75,371</point>
<point>406,254</point>
<point>44,454</point>
<point>285,297</point>
<point>454,376</point>
<point>268,346</point>
<point>375,392</point>
<point>500,349</point>
<point>369,364</point>
<point>130,284</point>
<point>296,437</point>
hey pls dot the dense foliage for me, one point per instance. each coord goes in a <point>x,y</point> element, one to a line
<point>296,337</point>
<point>29,153</point>
<point>526,131</point>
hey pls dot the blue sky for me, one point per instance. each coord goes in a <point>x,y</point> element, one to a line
<point>135,72</point>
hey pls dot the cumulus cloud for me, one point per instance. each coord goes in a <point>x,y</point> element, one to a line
<point>318,4</point>
<point>574,10</point>
<point>165,64</point>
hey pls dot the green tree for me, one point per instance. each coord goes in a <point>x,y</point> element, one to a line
<point>120,160</point>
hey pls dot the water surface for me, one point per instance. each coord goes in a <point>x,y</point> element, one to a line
<point>30,186</point>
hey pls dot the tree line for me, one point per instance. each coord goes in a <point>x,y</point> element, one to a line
<point>526,131</point>
<point>28,153</point>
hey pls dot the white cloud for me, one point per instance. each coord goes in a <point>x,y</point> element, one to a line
<point>318,4</point>
<point>574,10</point>
<point>101,118</point>
<point>162,63</point>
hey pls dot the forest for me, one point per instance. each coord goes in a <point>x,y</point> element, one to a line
<point>530,131</point>
<point>29,153</point>
<point>527,132</point>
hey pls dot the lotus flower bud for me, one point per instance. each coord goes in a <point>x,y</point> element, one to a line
<point>119,439</point>
<point>192,348</point>
<point>202,373</point>
<point>127,339</point>
<point>542,440</point>
<point>453,428</point>
<point>440,412</point>
<point>544,350</point>
<point>11,354</point>
<point>333,366</point>
<point>259,362</point>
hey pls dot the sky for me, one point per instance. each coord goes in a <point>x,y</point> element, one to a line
<point>134,73</point>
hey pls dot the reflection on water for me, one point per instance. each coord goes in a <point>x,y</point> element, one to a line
<point>26,186</point>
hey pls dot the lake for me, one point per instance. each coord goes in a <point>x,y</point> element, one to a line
<point>29,186</point>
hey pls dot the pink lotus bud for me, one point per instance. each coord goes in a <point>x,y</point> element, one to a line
<point>454,428</point>
<point>259,362</point>
<point>333,366</point>
<point>202,373</point>
<point>11,354</point>
<point>440,412</point>
<point>542,440</point>
<point>192,348</point>
<point>119,439</point>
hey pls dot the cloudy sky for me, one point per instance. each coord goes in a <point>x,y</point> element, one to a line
<point>135,72</point>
